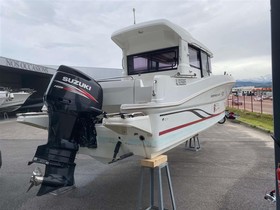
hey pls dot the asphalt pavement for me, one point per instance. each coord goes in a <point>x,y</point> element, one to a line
<point>233,170</point>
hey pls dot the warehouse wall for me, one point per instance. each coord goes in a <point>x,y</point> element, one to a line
<point>18,78</point>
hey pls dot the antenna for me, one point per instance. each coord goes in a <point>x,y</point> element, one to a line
<point>134,15</point>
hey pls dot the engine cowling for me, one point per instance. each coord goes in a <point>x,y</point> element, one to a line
<point>74,100</point>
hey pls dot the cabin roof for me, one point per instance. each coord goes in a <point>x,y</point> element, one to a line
<point>121,36</point>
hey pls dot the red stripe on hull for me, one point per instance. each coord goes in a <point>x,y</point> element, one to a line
<point>187,124</point>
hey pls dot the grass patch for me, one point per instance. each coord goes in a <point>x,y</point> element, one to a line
<point>254,119</point>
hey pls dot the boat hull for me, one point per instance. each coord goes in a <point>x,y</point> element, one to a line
<point>36,119</point>
<point>4,95</point>
<point>162,125</point>
<point>149,146</point>
<point>16,102</point>
<point>166,126</point>
<point>2,100</point>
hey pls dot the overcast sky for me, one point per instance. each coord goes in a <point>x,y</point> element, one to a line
<point>78,32</point>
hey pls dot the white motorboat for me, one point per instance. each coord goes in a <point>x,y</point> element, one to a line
<point>167,92</point>
<point>15,100</point>
<point>4,95</point>
<point>167,95</point>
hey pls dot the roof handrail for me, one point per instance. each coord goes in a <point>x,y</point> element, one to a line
<point>115,79</point>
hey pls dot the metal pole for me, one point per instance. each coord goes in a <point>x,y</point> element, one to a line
<point>160,195</point>
<point>140,196</point>
<point>275,47</point>
<point>237,101</point>
<point>244,102</point>
<point>134,16</point>
<point>170,187</point>
<point>261,102</point>
<point>252,103</point>
<point>228,101</point>
<point>152,187</point>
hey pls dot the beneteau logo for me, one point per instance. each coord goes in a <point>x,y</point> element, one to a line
<point>76,82</point>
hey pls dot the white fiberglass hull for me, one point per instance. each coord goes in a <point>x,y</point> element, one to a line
<point>2,100</point>
<point>173,116</point>
<point>4,95</point>
<point>143,144</point>
<point>164,125</point>
<point>36,119</point>
<point>16,102</point>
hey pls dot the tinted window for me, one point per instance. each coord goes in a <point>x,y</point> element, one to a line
<point>159,60</point>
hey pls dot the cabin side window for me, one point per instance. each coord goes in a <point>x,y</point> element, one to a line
<point>194,57</point>
<point>200,60</point>
<point>153,61</point>
<point>205,63</point>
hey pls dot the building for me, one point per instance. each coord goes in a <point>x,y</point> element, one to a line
<point>15,74</point>
<point>240,91</point>
<point>251,90</point>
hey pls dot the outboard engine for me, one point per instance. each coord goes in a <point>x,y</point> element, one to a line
<point>74,101</point>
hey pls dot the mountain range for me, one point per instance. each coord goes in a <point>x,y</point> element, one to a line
<point>263,81</point>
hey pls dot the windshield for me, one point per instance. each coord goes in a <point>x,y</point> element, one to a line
<point>200,60</point>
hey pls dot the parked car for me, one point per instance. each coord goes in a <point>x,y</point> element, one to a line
<point>258,98</point>
<point>237,102</point>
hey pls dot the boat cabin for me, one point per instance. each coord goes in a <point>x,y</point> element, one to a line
<point>161,46</point>
<point>155,54</point>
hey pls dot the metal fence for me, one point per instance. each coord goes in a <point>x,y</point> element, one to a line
<point>260,104</point>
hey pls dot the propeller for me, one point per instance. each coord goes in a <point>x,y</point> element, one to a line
<point>36,178</point>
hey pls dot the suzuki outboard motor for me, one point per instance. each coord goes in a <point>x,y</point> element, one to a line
<point>74,101</point>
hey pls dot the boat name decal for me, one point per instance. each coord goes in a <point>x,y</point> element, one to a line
<point>215,95</point>
<point>76,82</point>
<point>218,94</point>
